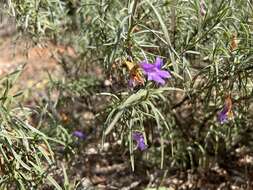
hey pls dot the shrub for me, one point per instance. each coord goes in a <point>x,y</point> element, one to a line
<point>203,110</point>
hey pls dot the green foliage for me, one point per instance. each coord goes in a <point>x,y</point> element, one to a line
<point>26,155</point>
<point>39,17</point>
<point>209,57</point>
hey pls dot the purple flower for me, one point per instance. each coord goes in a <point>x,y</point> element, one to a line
<point>138,137</point>
<point>154,71</point>
<point>79,134</point>
<point>223,117</point>
<point>226,113</point>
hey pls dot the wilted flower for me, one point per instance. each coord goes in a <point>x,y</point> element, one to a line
<point>79,134</point>
<point>233,43</point>
<point>64,117</point>
<point>154,71</point>
<point>135,74</point>
<point>226,113</point>
<point>136,77</point>
<point>202,8</point>
<point>138,137</point>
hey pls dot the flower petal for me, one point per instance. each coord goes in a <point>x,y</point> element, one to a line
<point>79,134</point>
<point>138,137</point>
<point>223,115</point>
<point>158,63</point>
<point>141,145</point>
<point>154,71</point>
<point>146,66</point>
<point>155,77</point>
<point>164,74</point>
<point>131,83</point>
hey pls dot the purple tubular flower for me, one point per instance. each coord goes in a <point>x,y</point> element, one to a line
<point>223,117</point>
<point>79,134</point>
<point>138,137</point>
<point>226,113</point>
<point>154,71</point>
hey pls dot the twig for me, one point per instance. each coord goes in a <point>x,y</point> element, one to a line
<point>132,185</point>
